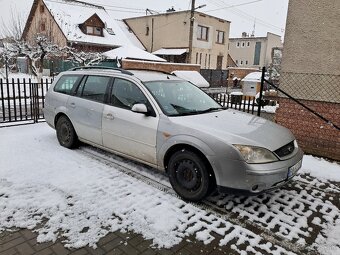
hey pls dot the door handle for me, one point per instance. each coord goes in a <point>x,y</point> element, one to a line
<point>109,116</point>
<point>73,105</point>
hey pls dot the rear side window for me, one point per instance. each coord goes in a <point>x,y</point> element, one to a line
<point>66,83</point>
<point>94,88</point>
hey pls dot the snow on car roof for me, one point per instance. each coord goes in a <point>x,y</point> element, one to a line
<point>69,15</point>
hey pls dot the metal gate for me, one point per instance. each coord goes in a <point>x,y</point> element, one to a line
<point>21,101</point>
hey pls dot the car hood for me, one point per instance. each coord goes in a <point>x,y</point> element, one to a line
<point>235,127</point>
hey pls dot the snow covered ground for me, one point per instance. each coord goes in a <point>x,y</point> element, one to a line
<point>68,193</point>
<point>20,76</point>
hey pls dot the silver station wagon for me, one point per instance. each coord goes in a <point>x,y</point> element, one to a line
<point>172,125</point>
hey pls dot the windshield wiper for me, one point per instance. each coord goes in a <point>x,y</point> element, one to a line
<point>185,113</point>
<point>211,109</point>
<point>194,112</point>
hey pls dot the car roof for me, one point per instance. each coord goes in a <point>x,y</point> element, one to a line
<point>142,75</point>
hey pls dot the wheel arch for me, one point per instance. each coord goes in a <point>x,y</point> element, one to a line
<point>183,146</point>
<point>57,117</point>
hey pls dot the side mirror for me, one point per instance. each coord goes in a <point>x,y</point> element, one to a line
<point>140,108</point>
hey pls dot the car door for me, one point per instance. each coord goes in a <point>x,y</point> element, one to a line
<point>130,133</point>
<point>86,107</point>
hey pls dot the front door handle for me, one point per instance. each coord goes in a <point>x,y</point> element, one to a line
<point>73,105</point>
<point>109,116</point>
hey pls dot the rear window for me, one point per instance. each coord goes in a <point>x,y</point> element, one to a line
<point>66,83</point>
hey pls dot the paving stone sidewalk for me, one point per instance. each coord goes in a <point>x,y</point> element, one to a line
<point>24,242</point>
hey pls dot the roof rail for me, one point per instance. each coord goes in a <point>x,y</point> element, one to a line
<point>101,68</point>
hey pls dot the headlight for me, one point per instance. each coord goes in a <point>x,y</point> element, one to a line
<point>253,155</point>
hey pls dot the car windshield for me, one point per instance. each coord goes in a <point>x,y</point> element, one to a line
<point>178,98</point>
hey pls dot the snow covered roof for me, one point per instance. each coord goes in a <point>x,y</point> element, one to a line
<point>131,52</point>
<point>69,15</point>
<point>194,77</point>
<point>172,51</point>
<point>254,77</point>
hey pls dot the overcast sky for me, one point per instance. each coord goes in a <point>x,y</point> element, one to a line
<point>268,15</point>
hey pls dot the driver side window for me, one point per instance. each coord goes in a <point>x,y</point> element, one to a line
<point>125,94</point>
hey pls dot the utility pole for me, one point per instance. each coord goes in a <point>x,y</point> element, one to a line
<point>191,33</point>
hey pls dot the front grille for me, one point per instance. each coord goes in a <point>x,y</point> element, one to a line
<point>285,150</point>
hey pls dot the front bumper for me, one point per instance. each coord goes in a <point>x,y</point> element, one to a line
<point>256,178</point>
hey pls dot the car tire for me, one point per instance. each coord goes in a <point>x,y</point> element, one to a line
<point>189,175</point>
<point>66,134</point>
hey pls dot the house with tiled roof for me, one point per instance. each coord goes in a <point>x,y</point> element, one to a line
<point>81,25</point>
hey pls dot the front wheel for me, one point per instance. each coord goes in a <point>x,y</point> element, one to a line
<point>189,175</point>
<point>66,134</point>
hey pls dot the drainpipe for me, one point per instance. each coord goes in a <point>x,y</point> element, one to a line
<point>152,24</point>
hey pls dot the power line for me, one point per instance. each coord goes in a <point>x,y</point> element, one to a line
<point>89,5</point>
<point>124,11</point>
<point>245,15</point>
<point>232,6</point>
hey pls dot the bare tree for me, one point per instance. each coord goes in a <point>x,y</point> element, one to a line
<point>14,26</point>
<point>36,53</point>
<point>83,58</point>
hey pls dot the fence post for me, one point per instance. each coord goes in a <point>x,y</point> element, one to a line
<point>261,90</point>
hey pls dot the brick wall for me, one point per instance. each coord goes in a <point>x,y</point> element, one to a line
<point>313,134</point>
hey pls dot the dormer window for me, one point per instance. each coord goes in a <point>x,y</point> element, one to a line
<point>93,26</point>
<point>90,30</point>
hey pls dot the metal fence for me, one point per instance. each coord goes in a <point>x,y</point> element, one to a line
<point>318,94</point>
<point>21,101</point>
<point>216,78</point>
<point>231,100</point>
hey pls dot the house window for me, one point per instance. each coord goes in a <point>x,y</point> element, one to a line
<point>202,33</point>
<point>196,57</point>
<point>42,27</point>
<point>238,45</point>
<point>248,44</point>
<point>94,31</point>
<point>147,30</point>
<point>97,31</point>
<point>219,37</point>
<point>243,44</point>
<point>236,62</point>
<point>241,62</point>
<point>89,30</point>
<point>42,9</point>
<point>246,62</point>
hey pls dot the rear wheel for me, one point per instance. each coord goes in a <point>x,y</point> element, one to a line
<point>66,134</point>
<point>189,175</point>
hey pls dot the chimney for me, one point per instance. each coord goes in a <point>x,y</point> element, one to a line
<point>172,9</point>
<point>244,34</point>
